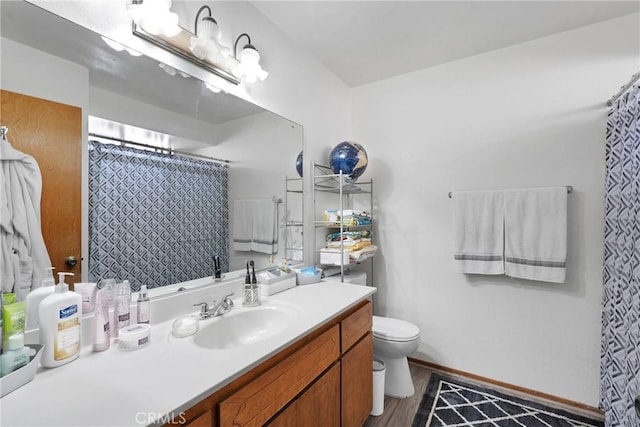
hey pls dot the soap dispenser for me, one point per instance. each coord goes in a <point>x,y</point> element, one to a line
<point>251,290</point>
<point>35,297</point>
<point>60,316</point>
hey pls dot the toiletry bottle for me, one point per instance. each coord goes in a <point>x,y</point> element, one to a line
<point>101,338</point>
<point>60,316</point>
<point>16,355</point>
<point>88,292</point>
<point>13,316</point>
<point>35,297</point>
<point>1,347</point>
<point>122,315</point>
<point>144,306</point>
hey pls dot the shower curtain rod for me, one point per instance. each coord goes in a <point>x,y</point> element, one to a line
<point>569,190</point>
<point>623,89</point>
<point>155,148</point>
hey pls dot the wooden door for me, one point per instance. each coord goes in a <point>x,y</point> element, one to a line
<point>52,133</point>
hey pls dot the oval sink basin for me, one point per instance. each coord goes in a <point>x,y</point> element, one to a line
<point>244,326</point>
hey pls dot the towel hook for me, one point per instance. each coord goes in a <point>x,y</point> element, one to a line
<point>4,130</point>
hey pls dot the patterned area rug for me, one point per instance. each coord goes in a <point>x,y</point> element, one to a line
<point>449,402</point>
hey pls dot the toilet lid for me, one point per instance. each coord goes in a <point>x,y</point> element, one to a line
<point>391,329</point>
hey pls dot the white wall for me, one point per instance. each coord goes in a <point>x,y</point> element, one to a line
<point>531,115</point>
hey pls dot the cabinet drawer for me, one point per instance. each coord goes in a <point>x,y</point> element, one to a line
<point>356,326</point>
<point>261,399</point>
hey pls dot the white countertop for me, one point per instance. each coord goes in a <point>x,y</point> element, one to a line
<point>157,382</point>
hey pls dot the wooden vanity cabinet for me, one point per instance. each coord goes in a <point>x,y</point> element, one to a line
<point>324,379</point>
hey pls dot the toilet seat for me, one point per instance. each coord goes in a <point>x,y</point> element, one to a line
<point>390,329</point>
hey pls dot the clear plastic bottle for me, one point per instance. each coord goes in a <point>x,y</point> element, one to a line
<point>101,338</point>
<point>144,306</point>
<point>122,314</point>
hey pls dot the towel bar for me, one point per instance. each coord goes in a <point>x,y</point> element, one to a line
<point>569,190</point>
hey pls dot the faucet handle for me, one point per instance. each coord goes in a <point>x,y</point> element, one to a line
<point>228,302</point>
<point>204,311</point>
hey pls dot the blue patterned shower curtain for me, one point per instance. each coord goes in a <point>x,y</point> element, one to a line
<point>620,350</point>
<point>155,219</point>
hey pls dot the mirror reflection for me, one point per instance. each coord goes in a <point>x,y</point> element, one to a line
<point>123,98</point>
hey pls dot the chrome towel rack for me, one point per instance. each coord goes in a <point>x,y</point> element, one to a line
<point>569,190</point>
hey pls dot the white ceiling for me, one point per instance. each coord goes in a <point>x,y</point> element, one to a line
<point>366,41</point>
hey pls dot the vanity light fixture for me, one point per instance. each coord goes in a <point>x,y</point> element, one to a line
<point>248,62</point>
<point>154,16</point>
<point>206,42</point>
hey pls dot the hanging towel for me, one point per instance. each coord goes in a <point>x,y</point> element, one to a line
<point>478,232</point>
<point>535,223</point>
<point>242,224</point>
<point>24,255</point>
<point>255,226</point>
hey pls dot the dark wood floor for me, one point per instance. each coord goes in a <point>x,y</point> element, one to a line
<point>400,412</point>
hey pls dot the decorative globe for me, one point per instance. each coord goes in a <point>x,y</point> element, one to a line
<point>350,158</point>
<point>299,164</point>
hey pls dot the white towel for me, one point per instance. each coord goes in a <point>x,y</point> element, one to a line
<point>535,223</point>
<point>255,227</point>
<point>242,224</point>
<point>478,232</point>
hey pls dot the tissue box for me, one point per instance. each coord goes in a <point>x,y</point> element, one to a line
<point>20,377</point>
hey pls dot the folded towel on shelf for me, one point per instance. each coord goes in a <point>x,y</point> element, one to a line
<point>535,224</point>
<point>478,232</point>
<point>255,225</point>
<point>350,240</point>
<point>348,217</point>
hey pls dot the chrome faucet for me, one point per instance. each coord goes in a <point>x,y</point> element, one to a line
<point>218,309</point>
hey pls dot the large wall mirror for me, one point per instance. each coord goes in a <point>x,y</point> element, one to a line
<point>123,97</point>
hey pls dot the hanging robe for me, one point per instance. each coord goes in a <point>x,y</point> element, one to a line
<point>24,255</point>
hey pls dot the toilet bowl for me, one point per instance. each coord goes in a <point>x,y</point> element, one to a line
<point>393,341</point>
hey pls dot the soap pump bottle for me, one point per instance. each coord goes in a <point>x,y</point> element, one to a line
<point>35,297</point>
<point>60,316</point>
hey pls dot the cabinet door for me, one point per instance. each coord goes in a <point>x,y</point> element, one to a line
<point>287,418</point>
<point>319,406</point>
<point>357,383</point>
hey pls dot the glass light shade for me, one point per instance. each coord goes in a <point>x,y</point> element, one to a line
<point>249,68</point>
<point>155,17</point>
<point>207,43</point>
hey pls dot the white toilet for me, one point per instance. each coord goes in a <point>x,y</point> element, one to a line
<point>393,341</point>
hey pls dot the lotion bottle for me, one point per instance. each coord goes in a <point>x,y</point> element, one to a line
<point>35,297</point>
<point>60,316</point>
